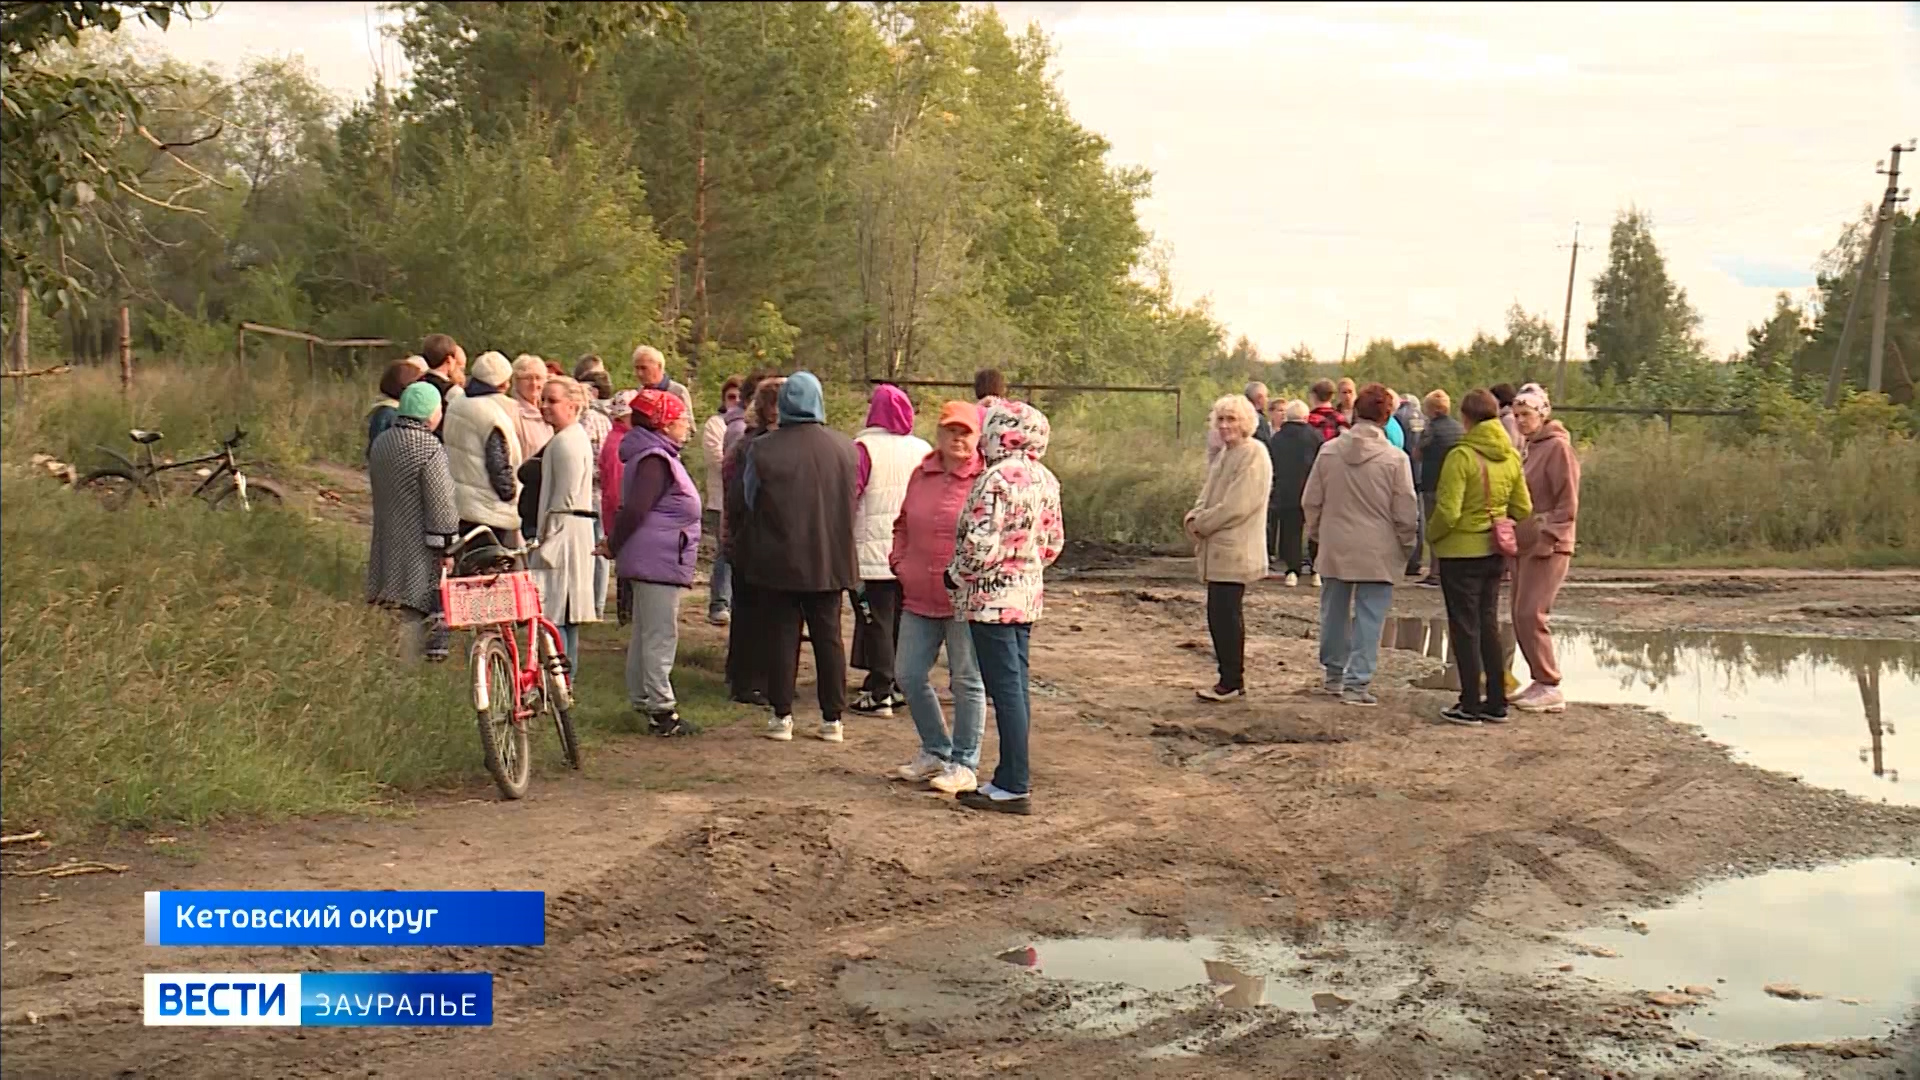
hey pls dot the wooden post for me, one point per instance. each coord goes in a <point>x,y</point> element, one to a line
<point>20,332</point>
<point>1177,405</point>
<point>240,350</point>
<point>309,358</point>
<point>126,351</point>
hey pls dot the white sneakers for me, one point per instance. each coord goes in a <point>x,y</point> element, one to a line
<point>954,779</point>
<point>1293,579</point>
<point>937,774</point>
<point>780,729</point>
<point>1540,697</point>
<point>924,766</point>
<point>1316,579</point>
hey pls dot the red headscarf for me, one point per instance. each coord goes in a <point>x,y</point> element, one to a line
<point>655,410</point>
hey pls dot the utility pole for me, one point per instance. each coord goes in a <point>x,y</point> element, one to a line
<point>1876,354</point>
<point>1566,317</point>
<point>1882,225</point>
<point>1344,338</point>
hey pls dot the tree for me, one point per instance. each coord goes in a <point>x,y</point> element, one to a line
<point>513,248</point>
<point>1838,275</point>
<point>65,132</point>
<point>1774,346</point>
<point>1640,313</point>
<point>1297,367</point>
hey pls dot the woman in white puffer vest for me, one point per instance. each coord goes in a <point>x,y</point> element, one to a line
<point>889,452</point>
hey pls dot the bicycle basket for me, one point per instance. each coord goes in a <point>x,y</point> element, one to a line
<point>490,600</point>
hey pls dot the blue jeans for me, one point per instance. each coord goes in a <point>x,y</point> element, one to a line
<point>570,641</point>
<point>602,570</point>
<point>918,648</point>
<point>1350,643</point>
<point>1001,650</point>
<point>720,584</point>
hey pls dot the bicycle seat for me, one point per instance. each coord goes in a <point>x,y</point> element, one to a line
<point>481,560</point>
<point>144,437</point>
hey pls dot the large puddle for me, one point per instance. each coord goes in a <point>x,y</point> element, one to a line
<point>1786,956</point>
<point>1823,709</point>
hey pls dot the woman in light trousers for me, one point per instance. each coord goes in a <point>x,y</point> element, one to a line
<point>923,542</point>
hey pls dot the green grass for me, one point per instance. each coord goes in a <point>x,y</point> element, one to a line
<point>178,665</point>
<point>174,665</point>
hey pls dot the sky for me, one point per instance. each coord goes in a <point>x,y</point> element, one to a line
<point>1409,170</point>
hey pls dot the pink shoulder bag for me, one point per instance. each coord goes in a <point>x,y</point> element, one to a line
<point>1504,540</point>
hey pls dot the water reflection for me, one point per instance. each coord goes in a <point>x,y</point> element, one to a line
<point>1794,704</point>
<point>1837,935</point>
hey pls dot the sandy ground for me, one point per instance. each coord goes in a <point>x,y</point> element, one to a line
<point>722,906</point>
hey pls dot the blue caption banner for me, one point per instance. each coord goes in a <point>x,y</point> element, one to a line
<point>388,999</point>
<point>319,999</point>
<point>268,917</point>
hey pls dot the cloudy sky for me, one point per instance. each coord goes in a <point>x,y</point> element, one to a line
<point>1412,169</point>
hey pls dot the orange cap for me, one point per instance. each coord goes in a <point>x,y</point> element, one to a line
<point>961,414</point>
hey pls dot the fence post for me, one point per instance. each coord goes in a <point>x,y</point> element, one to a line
<point>20,332</point>
<point>309,359</point>
<point>1178,408</point>
<point>1667,415</point>
<point>126,351</point>
<point>240,350</point>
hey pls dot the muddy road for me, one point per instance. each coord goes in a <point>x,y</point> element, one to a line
<point>722,906</point>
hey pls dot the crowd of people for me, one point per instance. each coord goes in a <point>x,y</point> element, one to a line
<point>939,547</point>
<point>942,546</point>
<point>1350,490</point>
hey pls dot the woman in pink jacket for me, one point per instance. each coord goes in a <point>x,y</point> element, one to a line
<point>1546,543</point>
<point>923,541</point>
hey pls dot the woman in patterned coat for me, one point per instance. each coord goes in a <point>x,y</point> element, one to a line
<point>414,519</point>
<point>1009,531</point>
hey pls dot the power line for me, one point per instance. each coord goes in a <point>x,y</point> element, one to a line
<point>1566,317</point>
<point>1880,234</point>
<point>1876,353</point>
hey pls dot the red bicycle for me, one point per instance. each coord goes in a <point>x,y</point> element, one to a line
<point>485,591</point>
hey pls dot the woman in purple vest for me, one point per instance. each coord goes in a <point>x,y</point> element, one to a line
<point>656,535</point>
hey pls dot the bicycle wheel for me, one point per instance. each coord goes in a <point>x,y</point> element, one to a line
<point>115,486</point>
<point>559,688</point>
<point>261,495</point>
<point>503,742</point>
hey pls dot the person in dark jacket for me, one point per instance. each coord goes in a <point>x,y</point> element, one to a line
<point>1293,449</point>
<point>747,632</point>
<point>798,484</point>
<point>1257,395</point>
<point>1442,433</point>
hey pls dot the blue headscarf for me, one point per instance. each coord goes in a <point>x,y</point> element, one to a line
<point>801,402</point>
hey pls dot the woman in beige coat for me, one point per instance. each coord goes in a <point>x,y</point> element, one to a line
<point>1228,526</point>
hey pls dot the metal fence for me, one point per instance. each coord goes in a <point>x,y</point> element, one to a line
<point>313,340</point>
<point>1633,410</point>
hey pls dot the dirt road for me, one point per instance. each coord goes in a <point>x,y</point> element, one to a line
<point>726,907</point>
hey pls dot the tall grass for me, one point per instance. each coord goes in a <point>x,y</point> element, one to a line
<point>1664,497</point>
<point>178,665</point>
<point>289,418</point>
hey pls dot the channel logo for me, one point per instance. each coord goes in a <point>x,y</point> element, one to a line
<point>319,999</point>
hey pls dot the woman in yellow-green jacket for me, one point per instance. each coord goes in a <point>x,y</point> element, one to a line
<point>1480,480</point>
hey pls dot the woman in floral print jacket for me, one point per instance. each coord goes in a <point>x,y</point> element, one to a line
<point>1009,532</point>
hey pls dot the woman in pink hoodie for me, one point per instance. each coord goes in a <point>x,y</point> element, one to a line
<point>1546,543</point>
<point>923,540</point>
